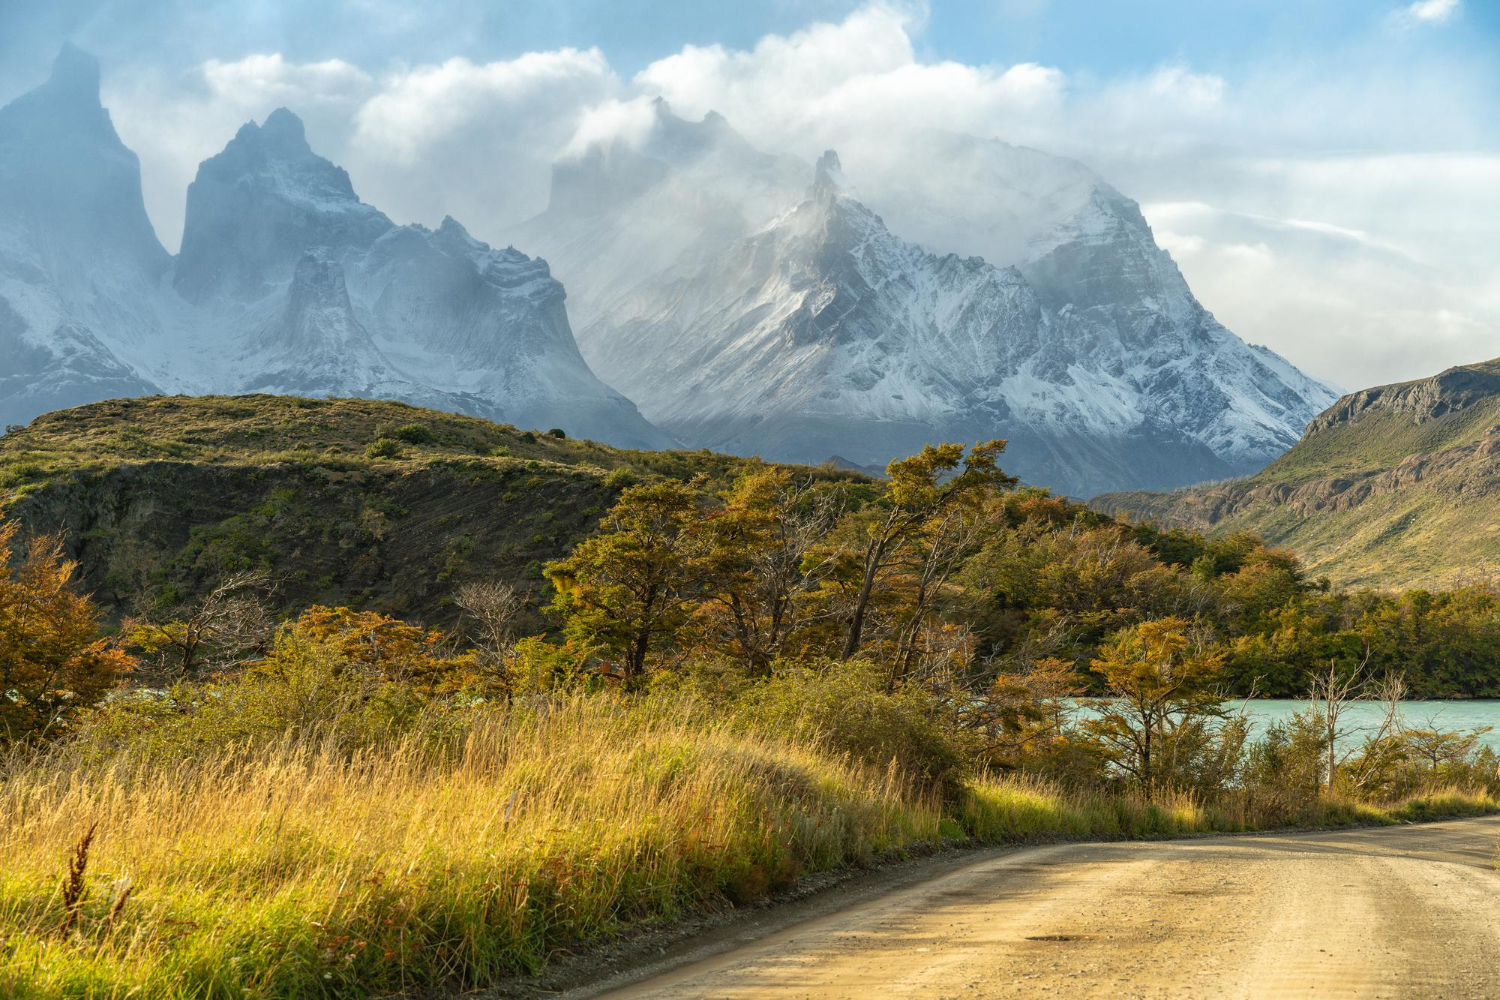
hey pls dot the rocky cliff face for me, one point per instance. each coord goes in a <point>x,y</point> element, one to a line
<point>79,262</point>
<point>286,282</point>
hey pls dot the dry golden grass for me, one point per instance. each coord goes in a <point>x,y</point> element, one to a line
<point>298,870</point>
<point>454,861</point>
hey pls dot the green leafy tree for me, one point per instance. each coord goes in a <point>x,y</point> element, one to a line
<point>753,556</point>
<point>920,505</point>
<point>1162,688</point>
<point>626,589</point>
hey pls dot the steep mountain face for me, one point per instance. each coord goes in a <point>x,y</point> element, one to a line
<point>255,207</point>
<point>286,282</point>
<point>824,333</point>
<point>79,262</point>
<point>736,323</point>
<point>619,215</point>
<point>1395,486</point>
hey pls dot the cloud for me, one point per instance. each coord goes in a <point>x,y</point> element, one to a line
<point>1432,11</point>
<point>420,107</point>
<point>627,121</point>
<point>258,80</point>
<point>474,140</point>
<point>807,89</point>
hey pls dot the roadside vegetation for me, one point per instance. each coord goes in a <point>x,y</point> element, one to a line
<point>747,674</point>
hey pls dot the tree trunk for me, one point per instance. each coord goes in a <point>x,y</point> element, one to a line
<point>866,587</point>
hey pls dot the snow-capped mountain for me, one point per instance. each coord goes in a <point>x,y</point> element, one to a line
<point>79,262</point>
<point>739,307</point>
<point>815,331</point>
<point>286,282</point>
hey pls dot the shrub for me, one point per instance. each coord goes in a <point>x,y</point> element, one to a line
<point>845,708</point>
<point>413,434</point>
<point>557,432</point>
<point>384,447</point>
<point>621,478</point>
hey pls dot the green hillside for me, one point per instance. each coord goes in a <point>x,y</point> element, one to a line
<point>1394,486</point>
<point>350,501</point>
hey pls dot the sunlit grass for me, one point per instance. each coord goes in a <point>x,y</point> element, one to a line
<point>453,862</point>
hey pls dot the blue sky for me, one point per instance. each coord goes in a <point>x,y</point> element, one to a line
<point>1326,172</point>
<point>1101,37</point>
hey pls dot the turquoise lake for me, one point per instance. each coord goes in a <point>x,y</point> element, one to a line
<point>1367,715</point>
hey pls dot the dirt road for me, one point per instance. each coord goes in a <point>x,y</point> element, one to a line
<point>1411,911</point>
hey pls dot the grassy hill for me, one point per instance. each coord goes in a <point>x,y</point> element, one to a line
<point>374,504</point>
<point>1393,486</point>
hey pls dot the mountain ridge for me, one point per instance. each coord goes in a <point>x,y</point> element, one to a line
<point>839,337</point>
<point>1395,485</point>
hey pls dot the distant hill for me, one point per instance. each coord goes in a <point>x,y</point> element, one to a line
<point>1393,486</point>
<point>351,501</point>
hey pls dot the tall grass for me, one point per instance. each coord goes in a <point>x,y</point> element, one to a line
<point>300,869</point>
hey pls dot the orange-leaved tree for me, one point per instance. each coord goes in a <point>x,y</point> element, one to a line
<point>53,661</point>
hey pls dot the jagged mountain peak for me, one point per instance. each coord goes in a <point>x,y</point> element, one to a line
<point>825,332</point>
<point>829,180</point>
<point>258,204</point>
<point>75,76</point>
<point>68,185</point>
<point>286,282</point>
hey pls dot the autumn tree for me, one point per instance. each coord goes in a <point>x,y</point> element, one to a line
<point>1162,687</point>
<point>627,588</point>
<point>52,659</point>
<point>375,646</point>
<point>921,508</point>
<point>753,555</point>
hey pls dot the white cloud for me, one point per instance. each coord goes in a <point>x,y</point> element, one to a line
<point>1433,11</point>
<point>428,104</point>
<point>628,121</point>
<point>258,80</point>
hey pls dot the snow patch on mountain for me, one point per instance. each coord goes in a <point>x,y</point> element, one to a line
<point>824,333</point>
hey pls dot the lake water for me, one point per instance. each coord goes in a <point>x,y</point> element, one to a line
<point>1367,715</point>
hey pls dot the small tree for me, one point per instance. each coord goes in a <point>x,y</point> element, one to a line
<point>227,627</point>
<point>52,659</point>
<point>752,555</point>
<point>1160,683</point>
<point>626,589</point>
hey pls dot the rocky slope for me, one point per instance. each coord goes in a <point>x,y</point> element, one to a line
<point>286,282</point>
<point>790,321</point>
<point>1395,486</point>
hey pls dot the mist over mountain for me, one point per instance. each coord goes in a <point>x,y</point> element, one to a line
<point>286,282</point>
<point>791,321</point>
